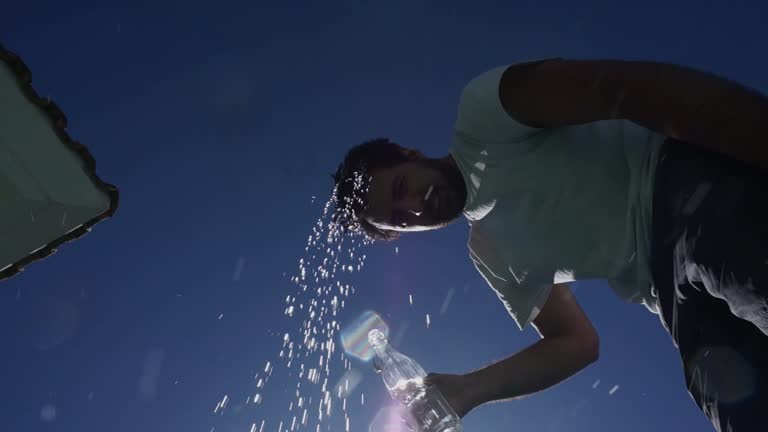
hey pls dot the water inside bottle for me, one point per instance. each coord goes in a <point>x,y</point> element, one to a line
<point>404,377</point>
<point>427,406</point>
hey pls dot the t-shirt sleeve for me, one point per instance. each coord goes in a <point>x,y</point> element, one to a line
<point>524,299</point>
<point>481,115</point>
<point>523,293</point>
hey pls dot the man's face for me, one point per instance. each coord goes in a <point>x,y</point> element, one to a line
<point>396,196</point>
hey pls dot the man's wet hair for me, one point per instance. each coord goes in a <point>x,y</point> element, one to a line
<point>352,179</point>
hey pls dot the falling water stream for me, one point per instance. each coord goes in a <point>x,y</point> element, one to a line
<point>309,344</point>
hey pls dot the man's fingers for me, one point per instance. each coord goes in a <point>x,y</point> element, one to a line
<point>431,379</point>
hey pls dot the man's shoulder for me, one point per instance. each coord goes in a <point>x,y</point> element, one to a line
<point>490,78</point>
<point>481,113</point>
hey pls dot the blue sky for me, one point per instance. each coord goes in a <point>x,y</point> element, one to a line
<point>220,122</point>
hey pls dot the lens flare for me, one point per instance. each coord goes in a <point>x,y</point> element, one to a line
<point>354,337</point>
<point>347,383</point>
<point>723,373</point>
<point>391,419</point>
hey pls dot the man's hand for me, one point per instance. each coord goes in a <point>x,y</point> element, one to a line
<point>457,390</point>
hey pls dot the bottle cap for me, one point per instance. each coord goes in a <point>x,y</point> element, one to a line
<point>376,337</point>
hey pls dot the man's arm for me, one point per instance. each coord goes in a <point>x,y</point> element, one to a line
<point>673,100</point>
<point>569,343</point>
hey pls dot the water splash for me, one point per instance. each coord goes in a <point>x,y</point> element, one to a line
<point>308,346</point>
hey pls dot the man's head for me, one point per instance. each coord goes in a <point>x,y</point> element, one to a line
<point>385,189</point>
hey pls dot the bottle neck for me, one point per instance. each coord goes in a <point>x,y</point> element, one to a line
<point>383,349</point>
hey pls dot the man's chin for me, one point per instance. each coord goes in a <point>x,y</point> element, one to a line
<point>447,220</point>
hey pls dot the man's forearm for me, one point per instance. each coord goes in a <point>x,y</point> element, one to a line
<point>538,367</point>
<point>699,108</point>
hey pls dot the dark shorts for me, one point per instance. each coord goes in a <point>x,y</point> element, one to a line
<point>710,269</point>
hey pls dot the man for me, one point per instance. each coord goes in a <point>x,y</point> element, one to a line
<point>646,174</point>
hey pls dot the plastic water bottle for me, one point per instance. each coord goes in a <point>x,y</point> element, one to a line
<point>404,379</point>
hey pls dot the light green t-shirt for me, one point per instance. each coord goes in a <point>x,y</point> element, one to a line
<point>554,205</point>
